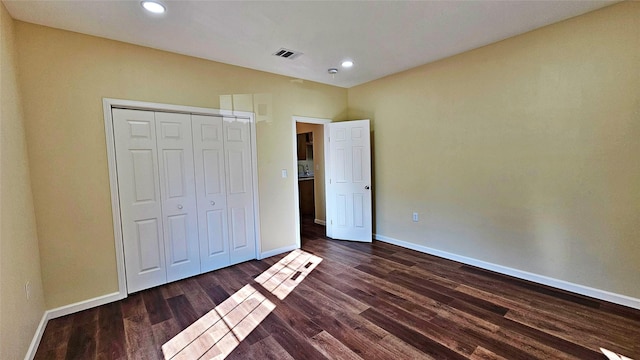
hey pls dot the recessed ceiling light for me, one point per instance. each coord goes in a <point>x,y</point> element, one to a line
<point>347,63</point>
<point>332,71</point>
<point>154,7</point>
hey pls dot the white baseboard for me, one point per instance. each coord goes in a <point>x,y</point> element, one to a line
<point>320,222</point>
<point>277,251</point>
<point>84,305</point>
<point>35,342</point>
<point>66,310</point>
<point>541,279</point>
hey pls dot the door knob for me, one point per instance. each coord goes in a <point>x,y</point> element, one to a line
<point>179,206</point>
<point>366,187</point>
<point>213,203</point>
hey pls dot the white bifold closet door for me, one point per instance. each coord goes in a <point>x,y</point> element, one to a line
<point>208,152</point>
<point>237,150</point>
<point>140,204</point>
<point>186,194</point>
<point>177,188</point>
<point>222,153</point>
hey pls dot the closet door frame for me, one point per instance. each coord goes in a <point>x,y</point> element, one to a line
<point>108,104</point>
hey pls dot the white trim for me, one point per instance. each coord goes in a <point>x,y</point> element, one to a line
<point>277,251</point>
<point>254,174</point>
<point>144,105</point>
<point>525,275</point>
<point>66,310</point>
<point>328,189</point>
<point>294,173</point>
<point>107,105</point>
<point>311,120</point>
<point>296,196</point>
<point>35,342</point>
<point>320,222</point>
<point>84,305</point>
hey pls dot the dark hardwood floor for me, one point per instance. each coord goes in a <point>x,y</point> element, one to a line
<point>369,301</point>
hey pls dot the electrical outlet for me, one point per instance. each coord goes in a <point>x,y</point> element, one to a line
<point>415,217</point>
<point>27,290</point>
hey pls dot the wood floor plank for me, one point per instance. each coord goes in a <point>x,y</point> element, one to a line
<point>82,341</point>
<point>332,348</point>
<point>54,353</point>
<point>556,293</point>
<point>424,283</point>
<point>324,305</point>
<point>297,321</point>
<point>411,337</point>
<point>352,331</point>
<point>217,294</point>
<point>531,333</point>
<point>198,297</point>
<point>373,252</point>
<point>402,350</point>
<point>292,342</point>
<point>171,289</point>
<point>357,342</point>
<point>362,301</point>
<point>267,349</point>
<point>156,306</point>
<point>165,331</point>
<point>182,311</point>
<point>484,354</point>
<point>608,324</point>
<point>505,346</point>
<point>571,332</point>
<point>458,343</point>
<point>138,335</point>
<point>55,330</point>
<point>110,334</point>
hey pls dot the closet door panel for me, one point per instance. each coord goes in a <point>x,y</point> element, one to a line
<point>237,149</point>
<point>208,152</point>
<point>216,236</point>
<point>177,188</point>
<point>140,206</point>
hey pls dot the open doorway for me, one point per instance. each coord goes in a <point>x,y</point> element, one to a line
<point>306,171</point>
<point>309,158</point>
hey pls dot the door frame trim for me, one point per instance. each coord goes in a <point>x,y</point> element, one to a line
<point>107,105</point>
<point>296,198</point>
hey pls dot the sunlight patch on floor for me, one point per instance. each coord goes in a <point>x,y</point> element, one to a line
<point>613,356</point>
<point>281,278</point>
<point>217,333</point>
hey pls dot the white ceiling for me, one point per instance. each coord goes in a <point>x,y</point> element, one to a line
<point>381,37</point>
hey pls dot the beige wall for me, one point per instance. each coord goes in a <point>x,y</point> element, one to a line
<point>318,163</point>
<point>64,77</point>
<point>524,153</point>
<point>19,257</point>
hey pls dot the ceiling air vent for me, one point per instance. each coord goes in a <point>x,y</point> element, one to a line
<point>287,54</point>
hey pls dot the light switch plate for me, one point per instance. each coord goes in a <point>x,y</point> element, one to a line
<point>284,173</point>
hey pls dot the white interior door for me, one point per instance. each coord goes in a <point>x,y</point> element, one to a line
<point>240,212</point>
<point>208,152</point>
<point>349,181</point>
<point>140,205</point>
<point>177,188</point>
